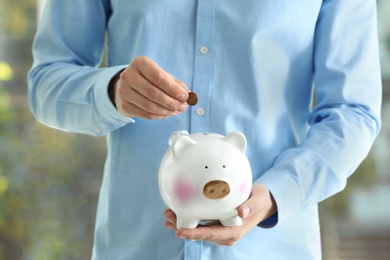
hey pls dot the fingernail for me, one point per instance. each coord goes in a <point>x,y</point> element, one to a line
<point>182,97</point>
<point>182,108</point>
<point>246,212</point>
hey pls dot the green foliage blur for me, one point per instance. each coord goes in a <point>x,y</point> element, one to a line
<point>363,177</point>
<point>49,180</point>
<point>18,16</point>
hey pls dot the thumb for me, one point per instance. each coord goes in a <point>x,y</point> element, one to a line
<point>247,208</point>
<point>259,202</point>
<point>244,211</point>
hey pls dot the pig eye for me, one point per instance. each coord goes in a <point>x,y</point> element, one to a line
<point>206,167</point>
<point>223,166</point>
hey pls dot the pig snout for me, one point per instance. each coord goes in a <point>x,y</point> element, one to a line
<point>216,190</point>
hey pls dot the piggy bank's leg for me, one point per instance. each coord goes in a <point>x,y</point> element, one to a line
<point>186,223</point>
<point>231,221</point>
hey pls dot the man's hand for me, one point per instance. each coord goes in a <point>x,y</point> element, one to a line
<point>145,90</point>
<point>257,208</point>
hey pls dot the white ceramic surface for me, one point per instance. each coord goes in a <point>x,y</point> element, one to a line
<point>205,176</point>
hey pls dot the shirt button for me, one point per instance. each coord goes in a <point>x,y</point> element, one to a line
<point>204,50</point>
<point>200,111</point>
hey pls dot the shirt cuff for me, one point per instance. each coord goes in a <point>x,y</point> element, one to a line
<point>284,192</point>
<point>269,222</point>
<point>111,118</point>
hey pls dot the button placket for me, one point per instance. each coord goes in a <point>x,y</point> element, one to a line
<point>202,83</point>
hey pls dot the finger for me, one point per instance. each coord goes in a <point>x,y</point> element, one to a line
<point>218,234</point>
<point>181,83</point>
<point>135,88</point>
<point>209,233</point>
<point>169,225</point>
<point>149,107</point>
<point>259,204</point>
<point>161,79</point>
<point>133,111</point>
<point>170,219</point>
<point>170,216</point>
<point>167,211</point>
<point>258,207</point>
<point>129,103</point>
<point>134,104</point>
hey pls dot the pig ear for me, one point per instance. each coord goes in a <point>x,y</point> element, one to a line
<point>179,143</point>
<point>237,139</point>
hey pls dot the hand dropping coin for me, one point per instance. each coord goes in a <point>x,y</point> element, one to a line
<point>192,99</point>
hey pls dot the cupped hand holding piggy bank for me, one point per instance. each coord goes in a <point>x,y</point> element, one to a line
<point>205,176</point>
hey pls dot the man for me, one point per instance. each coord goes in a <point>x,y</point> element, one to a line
<point>255,66</point>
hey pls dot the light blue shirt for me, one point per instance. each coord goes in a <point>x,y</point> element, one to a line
<point>255,66</point>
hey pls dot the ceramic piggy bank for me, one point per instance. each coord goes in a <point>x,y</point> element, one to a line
<point>205,176</point>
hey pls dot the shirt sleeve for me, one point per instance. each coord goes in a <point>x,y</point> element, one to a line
<point>346,118</point>
<point>66,89</point>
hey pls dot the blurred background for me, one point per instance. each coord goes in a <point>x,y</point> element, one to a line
<point>49,180</point>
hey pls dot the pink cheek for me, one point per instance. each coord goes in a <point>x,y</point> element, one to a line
<point>243,188</point>
<point>183,191</point>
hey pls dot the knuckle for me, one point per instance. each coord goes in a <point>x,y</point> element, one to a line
<point>172,104</point>
<point>152,93</point>
<point>233,240</point>
<point>148,116</point>
<point>125,75</point>
<point>154,110</point>
<point>125,106</point>
<point>127,78</point>
<point>181,83</point>
<point>139,60</point>
<point>148,107</point>
<point>122,91</point>
<point>157,77</point>
<point>230,243</point>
